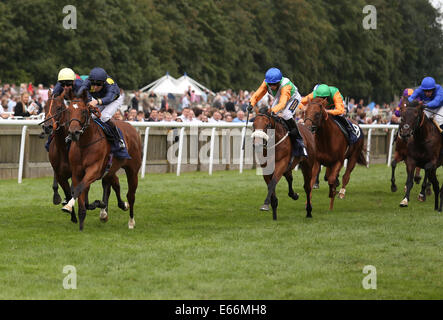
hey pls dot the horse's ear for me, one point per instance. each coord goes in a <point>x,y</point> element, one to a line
<point>67,93</point>
<point>84,96</point>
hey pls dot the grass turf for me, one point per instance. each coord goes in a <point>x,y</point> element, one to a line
<point>203,237</point>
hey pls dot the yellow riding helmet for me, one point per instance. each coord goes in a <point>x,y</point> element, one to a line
<point>66,74</point>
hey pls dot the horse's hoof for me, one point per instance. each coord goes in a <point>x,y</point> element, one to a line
<point>315,186</point>
<point>67,208</point>
<point>417,179</point>
<point>341,194</point>
<point>56,199</point>
<point>65,202</point>
<point>104,216</point>
<point>131,223</point>
<point>393,188</point>
<point>421,197</point>
<point>404,203</point>
<point>265,207</point>
<point>124,206</point>
<point>294,195</point>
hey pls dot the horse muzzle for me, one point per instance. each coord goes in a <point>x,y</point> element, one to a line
<point>260,139</point>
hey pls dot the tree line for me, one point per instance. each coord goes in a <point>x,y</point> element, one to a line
<point>227,43</point>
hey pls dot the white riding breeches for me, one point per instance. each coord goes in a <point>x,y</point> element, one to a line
<point>436,114</point>
<point>109,110</point>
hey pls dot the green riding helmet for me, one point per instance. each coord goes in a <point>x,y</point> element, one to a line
<point>322,91</point>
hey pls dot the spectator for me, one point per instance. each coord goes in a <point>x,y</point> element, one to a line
<point>164,104</point>
<point>185,101</point>
<point>118,115</point>
<point>135,101</point>
<point>376,110</point>
<point>4,108</point>
<point>216,117</point>
<point>43,93</point>
<point>132,115</point>
<point>30,89</point>
<point>240,117</point>
<point>230,105</point>
<point>140,116</point>
<point>167,117</point>
<point>153,116</point>
<point>23,106</point>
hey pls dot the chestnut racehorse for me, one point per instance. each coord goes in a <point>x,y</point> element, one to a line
<point>332,146</point>
<point>89,156</point>
<point>280,154</point>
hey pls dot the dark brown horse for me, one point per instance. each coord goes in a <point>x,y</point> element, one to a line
<point>279,153</point>
<point>89,156</point>
<point>332,146</point>
<point>58,150</point>
<point>424,148</point>
<point>400,154</point>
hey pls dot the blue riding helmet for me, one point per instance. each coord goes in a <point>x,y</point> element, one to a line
<point>98,74</point>
<point>428,83</point>
<point>273,75</point>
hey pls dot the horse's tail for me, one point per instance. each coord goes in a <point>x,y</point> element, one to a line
<point>361,156</point>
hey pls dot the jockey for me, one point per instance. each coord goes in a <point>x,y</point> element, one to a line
<point>335,107</point>
<point>432,95</point>
<point>286,97</point>
<point>406,93</point>
<point>106,96</point>
<point>66,78</point>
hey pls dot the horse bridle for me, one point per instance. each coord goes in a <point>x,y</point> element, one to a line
<point>272,122</point>
<point>418,124</point>
<point>86,112</point>
<point>314,127</point>
<point>56,114</point>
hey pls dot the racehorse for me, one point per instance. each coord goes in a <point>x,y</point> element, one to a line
<point>424,148</point>
<point>89,157</point>
<point>55,124</point>
<point>58,151</point>
<point>332,146</point>
<point>400,154</point>
<point>281,152</point>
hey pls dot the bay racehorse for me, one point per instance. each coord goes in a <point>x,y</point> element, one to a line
<point>89,157</point>
<point>58,149</point>
<point>424,148</point>
<point>279,153</point>
<point>400,154</point>
<point>55,125</point>
<point>331,146</point>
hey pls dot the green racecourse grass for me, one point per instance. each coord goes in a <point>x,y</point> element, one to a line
<point>203,237</point>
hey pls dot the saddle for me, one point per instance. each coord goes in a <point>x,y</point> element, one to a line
<point>114,141</point>
<point>345,125</point>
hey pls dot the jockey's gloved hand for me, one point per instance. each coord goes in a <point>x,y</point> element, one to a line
<point>250,107</point>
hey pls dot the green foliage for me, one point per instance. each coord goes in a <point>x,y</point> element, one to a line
<point>227,43</point>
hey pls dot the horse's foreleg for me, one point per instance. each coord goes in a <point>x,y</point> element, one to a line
<point>410,166</point>
<point>106,185</point>
<point>308,178</point>
<point>393,166</point>
<point>422,194</point>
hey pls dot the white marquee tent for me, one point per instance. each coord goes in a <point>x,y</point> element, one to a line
<point>168,84</point>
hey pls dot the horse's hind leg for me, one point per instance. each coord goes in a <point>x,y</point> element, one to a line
<point>274,205</point>
<point>132,177</point>
<point>115,183</point>
<point>417,177</point>
<point>332,181</point>
<point>307,177</point>
<point>106,185</point>
<point>56,199</point>
<point>351,165</point>
<point>289,179</point>
<point>422,194</point>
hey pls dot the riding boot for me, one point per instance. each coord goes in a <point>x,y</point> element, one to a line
<point>116,134</point>
<point>297,140</point>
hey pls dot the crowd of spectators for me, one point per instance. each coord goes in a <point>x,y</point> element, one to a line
<point>27,101</point>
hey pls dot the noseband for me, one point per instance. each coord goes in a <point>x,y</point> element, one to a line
<point>314,127</point>
<point>271,125</point>
<point>418,124</point>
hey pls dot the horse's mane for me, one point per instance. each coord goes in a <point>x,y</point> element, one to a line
<point>263,110</point>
